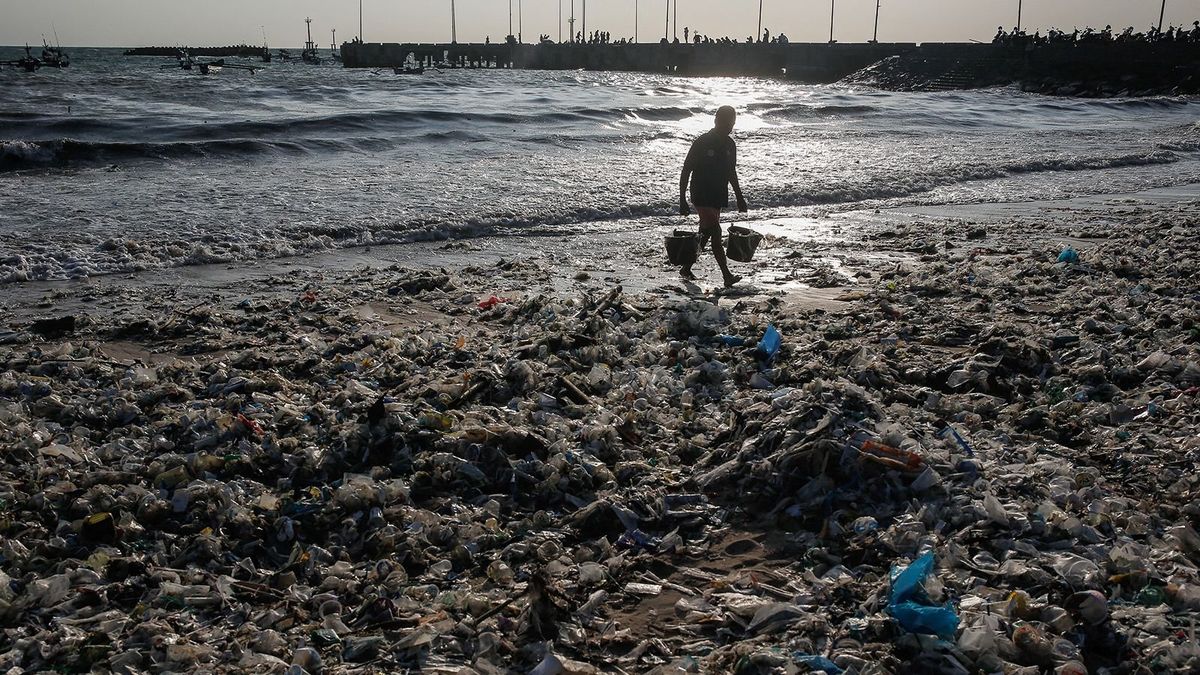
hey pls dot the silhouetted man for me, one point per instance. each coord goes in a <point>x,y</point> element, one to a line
<point>711,165</point>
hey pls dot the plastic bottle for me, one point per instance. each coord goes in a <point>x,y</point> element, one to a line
<point>1150,596</point>
<point>865,525</point>
<point>1033,643</point>
<point>437,421</point>
<point>500,573</point>
<point>1183,595</point>
<point>910,460</point>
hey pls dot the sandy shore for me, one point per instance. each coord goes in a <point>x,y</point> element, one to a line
<point>357,463</point>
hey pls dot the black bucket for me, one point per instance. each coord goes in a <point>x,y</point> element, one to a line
<point>742,244</point>
<point>683,248</point>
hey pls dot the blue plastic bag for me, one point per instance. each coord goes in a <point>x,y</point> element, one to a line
<point>911,609</point>
<point>769,345</point>
<point>1068,255</point>
<point>817,664</point>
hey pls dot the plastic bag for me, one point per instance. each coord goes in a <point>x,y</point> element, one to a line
<point>769,345</point>
<point>907,605</point>
<point>817,664</point>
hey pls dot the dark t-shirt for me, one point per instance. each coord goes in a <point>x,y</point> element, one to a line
<point>712,159</point>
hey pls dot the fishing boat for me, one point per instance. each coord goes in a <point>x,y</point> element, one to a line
<point>334,52</point>
<point>54,57</point>
<point>266,51</point>
<point>309,55</point>
<point>186,62</point>
<point>28,63</point>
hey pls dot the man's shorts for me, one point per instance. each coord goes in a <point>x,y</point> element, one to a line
<point>711,229</point>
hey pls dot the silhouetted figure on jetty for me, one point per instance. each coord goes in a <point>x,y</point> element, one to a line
<point>1090,36</point>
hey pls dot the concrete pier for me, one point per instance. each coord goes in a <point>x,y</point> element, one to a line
<point>806,62</point>
<point>1065,69</point>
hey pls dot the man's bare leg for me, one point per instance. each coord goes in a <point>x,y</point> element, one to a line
<point>710,226</point>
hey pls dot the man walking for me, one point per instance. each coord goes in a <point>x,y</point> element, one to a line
<point>711,165</point>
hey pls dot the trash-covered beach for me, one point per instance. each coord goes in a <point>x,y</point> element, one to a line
<point>975,454</point>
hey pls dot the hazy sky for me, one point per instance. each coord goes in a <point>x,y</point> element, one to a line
<point>219,22</point>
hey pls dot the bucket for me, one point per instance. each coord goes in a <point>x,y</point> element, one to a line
<point>743,242</point>
<point>683,248</point>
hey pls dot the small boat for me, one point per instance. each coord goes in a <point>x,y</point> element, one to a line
<point>266,51</point>
<point>54,57</point>
<point>334,52</point>
<point>186,62</point>
<point>28,63</point>
<point>309,55</point>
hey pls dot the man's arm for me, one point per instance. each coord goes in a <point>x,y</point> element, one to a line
<point>683,183</point>
<point>737,192</point>
<point>737,187</point>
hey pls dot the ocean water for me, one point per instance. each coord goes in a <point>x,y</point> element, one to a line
<point>118,165</point>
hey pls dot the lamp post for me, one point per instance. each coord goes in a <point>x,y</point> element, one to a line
<point>510,17</point>
<point>520,21</point>
<point>876,38</point>
<point>676,32</point>
<point>832,7</point>
<point>667,27</point>
<point>760,4</point>
<point>453,25</point>
<point>571,21</point>
<point>360,21</point>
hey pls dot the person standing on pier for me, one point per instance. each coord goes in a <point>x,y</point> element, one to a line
<point>711,166</point>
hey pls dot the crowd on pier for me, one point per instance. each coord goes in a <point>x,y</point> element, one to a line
<point>605,38</point>
<point>1155,35</point>
<point>699,39</point>
<point>1017,36</point>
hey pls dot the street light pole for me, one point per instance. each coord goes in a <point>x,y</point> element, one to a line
<point>510,17</point>
<point>676,19</point>
<point>759,33</point>
<point>520,21</point>
<point>360,22</point>
<point>667,27</point>
<point>453,25</point>
<point>876,38</point>
<point>832,7</point>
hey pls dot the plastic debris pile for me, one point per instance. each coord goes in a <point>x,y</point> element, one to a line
<point>986,465</point>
